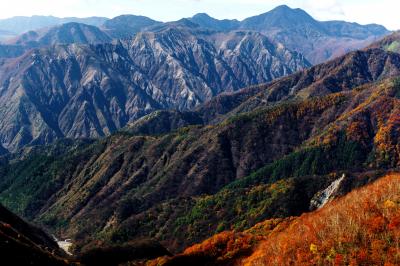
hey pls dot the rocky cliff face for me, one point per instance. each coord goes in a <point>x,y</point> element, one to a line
<point>90,91</point>
<point>276,156</point>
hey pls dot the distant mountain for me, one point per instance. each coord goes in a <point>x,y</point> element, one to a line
<point>67,33</point>
<point>4,35</point>
<point>297,30</point>
<point>126,26</point>
<point>20,25</point>
<point>90,91</point>
<point>284,17</point>
<point>340,74</point>
<point>206,21</point>
<point>318,41</point>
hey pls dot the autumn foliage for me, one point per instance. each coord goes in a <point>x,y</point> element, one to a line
<point>362,228</point>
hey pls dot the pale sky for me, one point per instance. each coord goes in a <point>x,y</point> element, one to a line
<point>385,12</point>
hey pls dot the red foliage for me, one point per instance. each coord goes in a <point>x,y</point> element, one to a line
<point>362,228</point>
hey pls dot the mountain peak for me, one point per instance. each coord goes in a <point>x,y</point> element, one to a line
<point>202,15</point>
<point>282,7</point>
<point>285,11</point>
<point>206,21</point>
<point>281,16</point>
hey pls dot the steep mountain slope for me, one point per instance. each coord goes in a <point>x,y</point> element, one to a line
<point>20,25</point>
<point>342,74</point>
<point>23,244</point>
<point>89,91</point>
<point>277,158</point>
<point>353,230</point>
<point>161,122</point>
<point>390,43</point>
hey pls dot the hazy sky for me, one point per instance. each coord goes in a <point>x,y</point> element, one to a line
<point>384,12</point>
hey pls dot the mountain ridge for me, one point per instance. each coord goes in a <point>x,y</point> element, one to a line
<point>186,179</point>
<point>102,87</point>
<point>317,40</point>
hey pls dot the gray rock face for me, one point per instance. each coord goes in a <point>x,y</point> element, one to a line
<point>81,91</point>
<point>321,198</point>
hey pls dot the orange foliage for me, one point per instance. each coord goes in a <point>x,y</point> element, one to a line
<point>229,247</point>
<point>362,228</point>
<point>387,138</point>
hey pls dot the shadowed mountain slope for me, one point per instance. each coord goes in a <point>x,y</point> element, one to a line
<point>23,244</point>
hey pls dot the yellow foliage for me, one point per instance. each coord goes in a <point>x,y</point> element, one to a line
<point>314,249</point>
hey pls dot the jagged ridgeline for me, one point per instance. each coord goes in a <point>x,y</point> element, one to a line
<point>265,156</point>
<point>199,130</point>
<point>90,77</point>
<point>80,91</point>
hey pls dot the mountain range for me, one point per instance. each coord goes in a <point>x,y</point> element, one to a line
<point>318,41</point>
<point>267,156</point>
<point>71,32</point>
<point>201,142</point>
<point>19,25</point>
<point>90,91</point>
<point>81,81</point>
